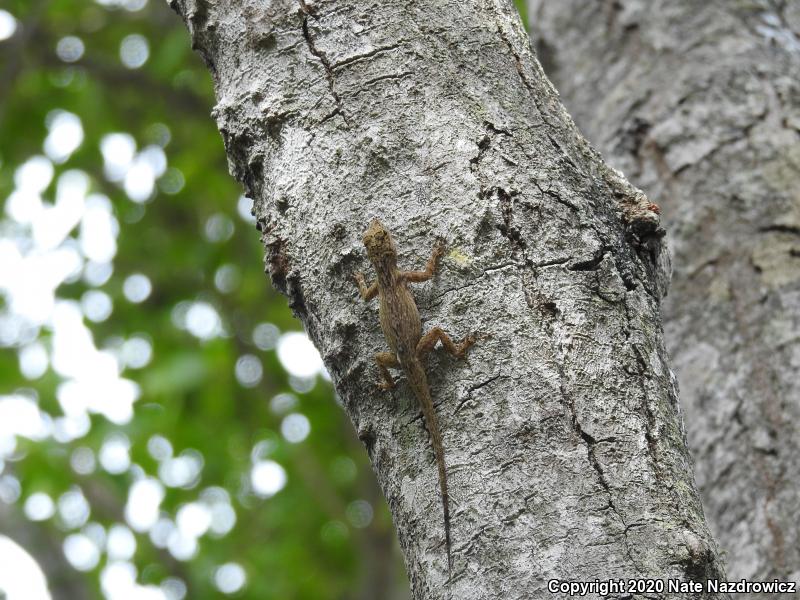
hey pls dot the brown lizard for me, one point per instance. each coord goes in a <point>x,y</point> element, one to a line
<point>402,328</point>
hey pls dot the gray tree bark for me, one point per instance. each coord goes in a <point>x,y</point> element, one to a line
<point>700,104</point>
<point>565,448</point>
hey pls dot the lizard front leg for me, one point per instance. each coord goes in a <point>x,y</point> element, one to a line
<point>428,341</point>
<point>430,267</point>
<point>367,292</point>
<point>386,360</point>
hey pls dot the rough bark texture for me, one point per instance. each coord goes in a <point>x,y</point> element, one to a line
<point>700,104</point>
<point>565,448</point>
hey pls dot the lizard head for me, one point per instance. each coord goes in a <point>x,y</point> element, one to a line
<point>379,243</point>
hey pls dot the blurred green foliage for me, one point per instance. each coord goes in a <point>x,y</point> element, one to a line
<point>522,8</point>
<point>311,539</point>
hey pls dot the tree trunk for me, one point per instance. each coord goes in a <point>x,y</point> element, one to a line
<point>562,431</point>
<point>700,103</point>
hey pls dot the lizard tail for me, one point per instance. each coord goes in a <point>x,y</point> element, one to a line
<point>419,384</point>
<point>439,451</point>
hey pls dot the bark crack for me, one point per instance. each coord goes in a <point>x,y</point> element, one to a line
<point>358,57</point>
<point>778,228</point>
<point>590,443</point>
<point>592,264</point>
<point>308,12</point>
<point>436,300</point>
<point>473,388</point>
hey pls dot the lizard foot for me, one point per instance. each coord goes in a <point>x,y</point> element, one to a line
<point>465,345</point>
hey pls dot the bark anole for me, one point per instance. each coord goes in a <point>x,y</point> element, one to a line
<point>402,328</point>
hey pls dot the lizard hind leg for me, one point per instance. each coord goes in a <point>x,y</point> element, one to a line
<point>428,341</point>
<point>386,360</point>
